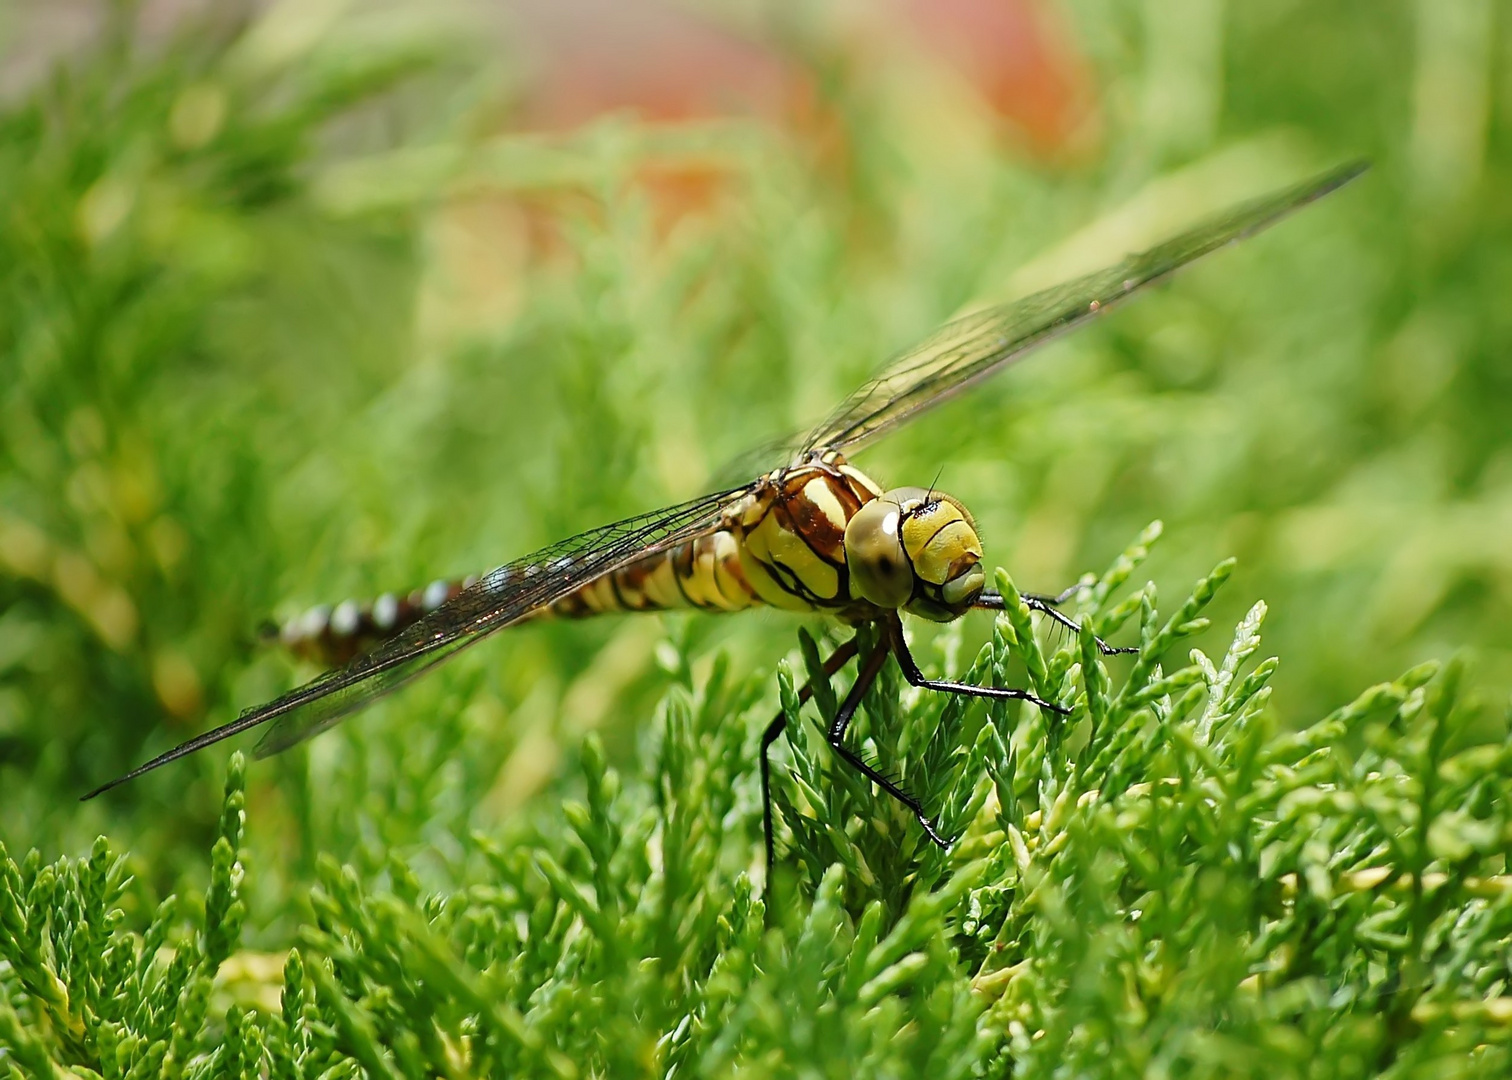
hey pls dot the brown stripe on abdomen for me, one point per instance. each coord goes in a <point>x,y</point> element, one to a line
<point>703,573</point>
<point>784,546</point>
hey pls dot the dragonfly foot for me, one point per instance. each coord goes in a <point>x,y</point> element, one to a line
<point>1059,710</point>
<point>930,831</point>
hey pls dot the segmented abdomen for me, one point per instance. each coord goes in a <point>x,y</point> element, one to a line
<point>784,546</point>
<point>331,636</point>
<point>703,573</point>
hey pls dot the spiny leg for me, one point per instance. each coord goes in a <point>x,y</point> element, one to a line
<point>894,642</point>
<point>1059,598</point>
<point>870,668</point>
<point>1046,605</point>
<point>916,677</point>
<point>837,660</point>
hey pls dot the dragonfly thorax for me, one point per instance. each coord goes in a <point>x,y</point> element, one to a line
<point>822,536</point>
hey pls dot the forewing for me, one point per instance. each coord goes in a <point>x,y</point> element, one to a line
<point>498,599</point>
<point>762,459</point>
<point>978,345</point>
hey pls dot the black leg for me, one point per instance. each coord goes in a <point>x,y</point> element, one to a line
<point>836,738</point>
<point>1058,599</point>
<point>916,677</point>
<point>895,643</point>
<point>1046,605</point>
<point>837,660</point>
<point>871,667</point>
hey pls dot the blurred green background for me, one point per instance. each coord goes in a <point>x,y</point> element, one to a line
<point>308,300</point>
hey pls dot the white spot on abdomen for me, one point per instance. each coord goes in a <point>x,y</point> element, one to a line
<point>385,611</point>
<point>345,618</point>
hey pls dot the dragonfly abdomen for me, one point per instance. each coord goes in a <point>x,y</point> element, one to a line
<point>785,547</point>
<point>330,636</point>
<point>704,573</point>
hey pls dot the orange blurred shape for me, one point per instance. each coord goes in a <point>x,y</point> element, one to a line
<point>660,62</point>
<point>666,64</point>
<point>1014,53</point>
<point>663,62</point>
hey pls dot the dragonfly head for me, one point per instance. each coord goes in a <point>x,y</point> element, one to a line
<point>917,550</point>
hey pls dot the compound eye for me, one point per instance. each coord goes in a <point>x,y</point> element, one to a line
<point>879,568</point>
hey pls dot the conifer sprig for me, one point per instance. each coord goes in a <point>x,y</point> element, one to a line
<point>1167,878</point>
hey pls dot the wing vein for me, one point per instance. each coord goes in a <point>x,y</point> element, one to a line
<point>496,600</point>
<point>970,349</point>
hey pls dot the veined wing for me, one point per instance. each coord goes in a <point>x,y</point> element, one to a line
<point>968,350</point>
<point>762,459</point>
<point>496,600</point>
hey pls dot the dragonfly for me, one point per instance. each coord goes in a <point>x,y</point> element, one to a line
<point>812,533</point>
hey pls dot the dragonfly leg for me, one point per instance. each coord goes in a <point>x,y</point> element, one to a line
<point>1058,599</point>
<point>835,735</point>
<point>870,668</point>
<point>916,677</point>
<point>837,660</point>
<point>1046,605</point>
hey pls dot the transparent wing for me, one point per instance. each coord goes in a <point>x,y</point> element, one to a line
<point>968,350</point>
<point>762,459</point>
<point>498,599</point>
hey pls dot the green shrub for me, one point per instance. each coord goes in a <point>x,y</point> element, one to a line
<point>1161,882</point>
<point>236,378</point>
